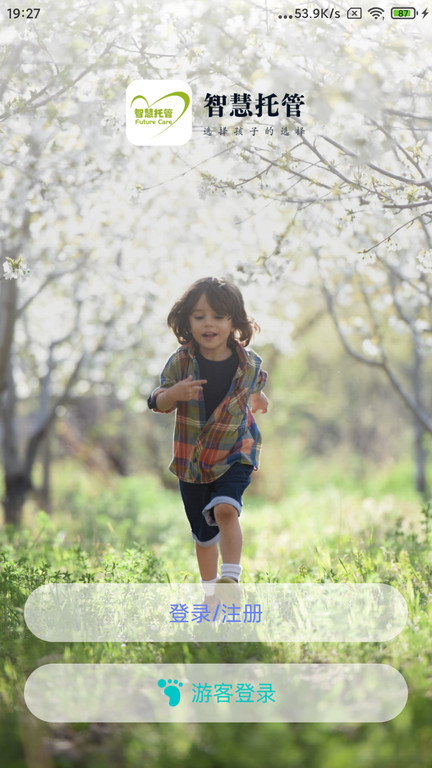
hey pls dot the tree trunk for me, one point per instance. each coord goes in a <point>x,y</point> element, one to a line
<point>14,478</point>
<point>18,464</point>
<point>8,301</point>
<point>43,494</point>
<point>17,488</point>
<point>420,454</point>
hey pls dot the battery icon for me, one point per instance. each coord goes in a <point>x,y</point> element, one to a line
<point>403,13</point>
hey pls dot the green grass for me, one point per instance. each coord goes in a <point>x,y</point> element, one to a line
<point>134,530</point>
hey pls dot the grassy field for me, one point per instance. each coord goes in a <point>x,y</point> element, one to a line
<point>135,530</point>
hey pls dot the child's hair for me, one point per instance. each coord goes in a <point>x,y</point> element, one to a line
<point>224,298</point>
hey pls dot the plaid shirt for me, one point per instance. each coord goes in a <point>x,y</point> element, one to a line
<point>205,449</point>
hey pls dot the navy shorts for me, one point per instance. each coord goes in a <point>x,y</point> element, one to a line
<point>200,498</point>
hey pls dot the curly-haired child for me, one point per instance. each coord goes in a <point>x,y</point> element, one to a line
<point>215,385</point>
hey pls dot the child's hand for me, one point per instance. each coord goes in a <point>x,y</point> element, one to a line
<point>259,402</point>
<point>188,389</point>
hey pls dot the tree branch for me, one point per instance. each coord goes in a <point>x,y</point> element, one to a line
<point>399,146</point>
<point>49,279</point>
<point>287,170</point>
<point>45,422</point>
<point>409,115</point>
<point>409,401</point>
<point>29,106</point>
<point>402,206</point>
<point>416,182</point>
<point>387,237</point>
<point>424,291</point>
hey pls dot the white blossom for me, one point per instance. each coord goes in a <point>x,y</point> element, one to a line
<point>14,269</point>
<point>369,348</point>
<point>424,261</point>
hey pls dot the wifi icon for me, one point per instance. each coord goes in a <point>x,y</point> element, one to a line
<point>376,12</point>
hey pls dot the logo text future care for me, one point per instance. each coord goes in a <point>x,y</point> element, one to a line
<point>158,112</point>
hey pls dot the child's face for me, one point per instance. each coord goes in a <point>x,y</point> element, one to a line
<point>210,330</point>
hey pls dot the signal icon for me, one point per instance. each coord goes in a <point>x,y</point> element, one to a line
<point>376,12</point>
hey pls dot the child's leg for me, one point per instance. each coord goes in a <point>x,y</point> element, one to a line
<point>231,539</point>
<point>227,501</point>
<point>207,560</point>
<point>195,496</point>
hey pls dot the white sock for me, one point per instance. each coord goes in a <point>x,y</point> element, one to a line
<point>232,570</point>
<point>208,586</point>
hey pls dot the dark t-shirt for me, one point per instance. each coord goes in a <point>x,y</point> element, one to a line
<point>219,375</point>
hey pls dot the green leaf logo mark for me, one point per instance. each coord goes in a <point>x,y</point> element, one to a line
<point>181,94</point>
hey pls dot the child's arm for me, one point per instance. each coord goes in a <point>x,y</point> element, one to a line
<point>259,401</point>
<point>173,387</point>
<point>187,389</point>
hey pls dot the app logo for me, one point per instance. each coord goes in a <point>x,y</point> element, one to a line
<point>158,112</point>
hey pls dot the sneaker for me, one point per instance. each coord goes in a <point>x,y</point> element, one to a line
<point>232,592</point>
<point>226,580</point>
<point>212,602</point>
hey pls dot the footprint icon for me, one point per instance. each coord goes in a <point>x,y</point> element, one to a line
<point>172,691</point>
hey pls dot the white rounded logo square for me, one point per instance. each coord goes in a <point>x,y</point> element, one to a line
<point>158,112</point>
